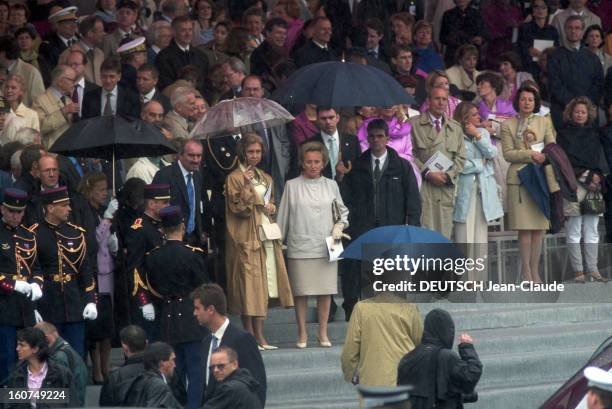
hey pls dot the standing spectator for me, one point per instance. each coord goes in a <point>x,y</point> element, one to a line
<point>132,54</point>
<point>304,126</point>
<point>477,202</point>
<point>10,61</point>
<point>254,20</point>
<point>289,10</point>
<point>179,53</point>
<point>215,48</point>
<point>27,48</point>
<point>127,13</point>
<point>77,60</point>
<point>133,342</point>
<point>35,370</point>
<point>401,27</point>
<point>380,332</point>
<point>573,70</point>
<point>236,388</point>
<point>173,271</point>
<point>92,35</point>
<point>427,58</point>
<point>433,132</point>
<point>186,183</point>
<point>594,40</point>
<point>146,84</point>
<point>65,24</point>
<point>510,69</point>
<point>306,218</point>
<point>463,74</point>
<point>577,8</point>
<point>19,116</point>
<point>536,29</point>
<point>55,108</point>
<point>178,120</point>
<point>501,18</point>
<point>159,36</point>
<point>439,79</point>
<point>258,274</point>
<point>439,376</point>
<point>461,25</point>
<point>318,48</point>
<point>234,72</point>
<point>203,22</point>
<point>62,353</point>
<point>112,98</point>
<point>579,138</point>
<point>518,137</point>
<point>276,34</point>
<point>210,309</point>
<point>106,10</point>
<point>171,9</point>
<point>18,290</point>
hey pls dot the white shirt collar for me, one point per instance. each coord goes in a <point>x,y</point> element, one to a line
<point>81,83</point>
<point>148,97</point>
<point>321,46</point>
<point>221,331</point>
<point>155,48</point>
<point>113,92</point>
<point>184,171</point>
<point>56,92</point>
<point>65,40</point>
<point>432,119</point>
<point>382,159</point>
<point>185,49</point>
<point>326,137</point>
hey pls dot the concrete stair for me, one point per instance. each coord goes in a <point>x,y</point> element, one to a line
<point>528,350</point>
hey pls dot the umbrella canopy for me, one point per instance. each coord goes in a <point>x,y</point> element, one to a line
<point>240,114</point>
<point>534,180</point>
<point>385,238</point>
<point>112,137</point>
<point>339,84</point>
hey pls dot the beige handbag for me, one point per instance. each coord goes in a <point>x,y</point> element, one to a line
<point>270,231</point>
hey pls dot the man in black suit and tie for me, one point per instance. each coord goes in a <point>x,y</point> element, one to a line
<point>146,82</point>
<point>111,98</point>
<point>179,53</point>
<point>77,60</point>
<point>186,191</point>
<point>210,309</point>
<point>318,48</point>
<point>65,24</point>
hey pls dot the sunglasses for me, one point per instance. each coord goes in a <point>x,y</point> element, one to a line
<point>218,366</point>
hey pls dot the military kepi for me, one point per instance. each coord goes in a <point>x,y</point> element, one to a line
<point>15,199</point>
<point>66,14</point>
<point>157,192</point>
<point>171,216</point>
<point>132,46</point>
<point>375,396</point>
<point>598,378</point>
<point>53,196</point>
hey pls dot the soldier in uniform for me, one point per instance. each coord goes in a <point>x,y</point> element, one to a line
<point>173,271</point>
<point>20,276</point>
<point>143,236</point>
<point>70,289</point>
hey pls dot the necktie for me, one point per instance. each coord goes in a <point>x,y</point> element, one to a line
<point>377,171</point>
<point>108,108</point>
<point>333,155</point>
<point>437,125</point>
<point>191,197</point>
<point>373,53</point>
<point>75,94</point>
<point>214,343</point>
<point>143,100</point>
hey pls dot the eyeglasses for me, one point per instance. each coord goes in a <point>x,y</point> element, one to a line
<point>218,366</point>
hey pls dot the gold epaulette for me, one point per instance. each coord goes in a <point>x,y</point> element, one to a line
<point>194,249</point>
<point>76,227</point>
<point>137,224</point>
<point>32,227</point>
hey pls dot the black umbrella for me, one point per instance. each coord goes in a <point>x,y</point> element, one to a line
<point>112,138</point>
<point>342,84</point>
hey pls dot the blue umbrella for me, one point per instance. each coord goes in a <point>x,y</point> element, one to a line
<point>382,239</point>
<point>341,84</point>
<point>534,180</point>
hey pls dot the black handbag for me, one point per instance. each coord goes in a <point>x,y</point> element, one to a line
<point>593,203</point>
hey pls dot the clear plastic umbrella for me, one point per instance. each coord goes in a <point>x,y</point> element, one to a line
<point>244,114</point>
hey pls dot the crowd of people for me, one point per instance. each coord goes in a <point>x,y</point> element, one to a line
<point>511,121</point>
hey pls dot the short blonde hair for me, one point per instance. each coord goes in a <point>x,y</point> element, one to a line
<point>569,109</point>
<point>313,147</point>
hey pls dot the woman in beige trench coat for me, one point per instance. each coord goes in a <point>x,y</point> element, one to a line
<point>255,269</point>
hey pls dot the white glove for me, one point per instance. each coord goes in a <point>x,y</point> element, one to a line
<point>148,312</point>
<point>23,287</point>
<point>36,292</point>
<point>113,205</point>
<point>90,312</point>
<point>38,317</point>
<point>337,231</point>
<point>113,243</point>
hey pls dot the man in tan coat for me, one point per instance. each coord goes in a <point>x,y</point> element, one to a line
<point>55,108</point>
<point>10,61</point>
<point>432,133</point>
<point>178,120</point>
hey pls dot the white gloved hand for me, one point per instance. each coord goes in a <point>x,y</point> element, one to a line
<point>148,312</point>
<point>113,243</point>
<point>113,205</point>
<point>36,292</point>
<point>337,231</point>
<point>90,312</point>
<point>23,287</point>
<point>38,317</point>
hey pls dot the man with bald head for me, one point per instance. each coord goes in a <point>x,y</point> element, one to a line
<point>152,112</point>
<point>55,107</point>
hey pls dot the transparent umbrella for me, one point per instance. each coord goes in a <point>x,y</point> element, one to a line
<point>244,114</point>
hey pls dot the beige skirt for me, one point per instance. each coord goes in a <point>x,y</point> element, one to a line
<point>523,212</point>
<point>312,276</point>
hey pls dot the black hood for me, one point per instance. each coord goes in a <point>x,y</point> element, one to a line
<point>244,376</point>
<point>439,329</point>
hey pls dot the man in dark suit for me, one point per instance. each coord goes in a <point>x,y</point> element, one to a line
<point>77,60</point>
<point>186,191</point>
<point>146,82</point>
<point>318,48</point>
<point>65,23</point>
<point>111,98</point>
<point>179,53</point>
<point>276,34</point>
<point>210,309</point>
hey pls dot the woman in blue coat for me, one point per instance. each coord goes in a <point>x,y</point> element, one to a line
<point>477,201</point>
